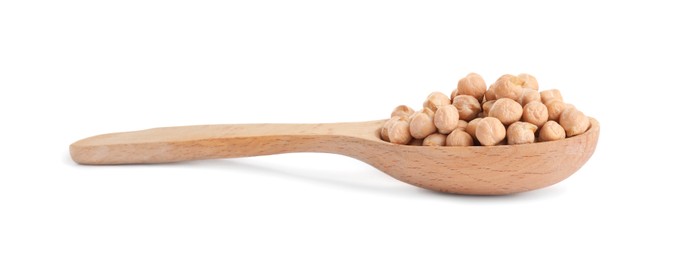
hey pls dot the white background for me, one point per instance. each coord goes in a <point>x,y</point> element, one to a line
<point>71,69</point>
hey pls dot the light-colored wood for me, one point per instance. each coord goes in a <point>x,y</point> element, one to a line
<point>480,170</point>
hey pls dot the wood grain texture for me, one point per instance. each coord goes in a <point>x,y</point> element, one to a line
<point>478,170</point>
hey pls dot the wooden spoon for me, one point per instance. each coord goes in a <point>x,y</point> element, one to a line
<point>479,170</point>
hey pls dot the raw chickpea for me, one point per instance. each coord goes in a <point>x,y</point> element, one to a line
<point>459,138</point>
<point>435,140</point>
<point>421,124</point>
<point>468,107</point>
<point>508,86</point>
<point>384,129</point>
<point>521,133</point>
<point>529,81</point>
<point>529,95</point>
<point>462,124</point>
<point>472,85</point>
<point>555,108</point>
<point>472,127</point>
<point>574,122</point>
<point>435,100</point>
<point>403,111</point>
<point>491,93</point>
<point>486,106</point>
<point>551,131</point>
<point>536,113</point>
<point>454,93</point>
<point>446,119</point>
<point>398,131</point>
<point>549,95</point>
<point>504,77</point>
<point>506,110</point>
<point>490,131</point>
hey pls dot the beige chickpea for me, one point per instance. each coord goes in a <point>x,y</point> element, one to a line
<point>462,124</point>
<point>472,127</point>
<point>435,140</point>
<point>529,95</point>
<point>530,82</point>
<point>491,93</point>
<point>490,131</point>
<point>459,138</point>
<point>549,95</point>
<point>473,85</point>
<point>506,110</point>
<point>503,77</point>
<point>551,131</point>
<point>521,133</point>
<point>446,119</point>
<point>454,93</point>
<point>574,122</point>
<point>386,125</point>
<point>486,106</point>
<point>536,113</point>
<point>435,100</point>
<point>555,108</point>
<point>422,124</point>
<point>403,111</point>
<point>398,131</point>
<point>468,107</point>
<point>508,86</point>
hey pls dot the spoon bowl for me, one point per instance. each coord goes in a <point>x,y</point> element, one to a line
<point>478,170</point>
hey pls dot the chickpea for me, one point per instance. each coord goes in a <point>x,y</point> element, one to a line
<point>486,106</point>
<point>504,77</point>
<point>529,81</point>
<point>551,131</point>
<point>421,124</point>
<point>403,111</point>
<point>462,124</point>
<point>529,95</point>
<point>491,93</point>
<point>472,85</point>
<point>436,100</point>
<point>521,133</point>
<point>384,129</point>
<point>435,140</point>
<point>574,122</point>
<point>506,110</point>
<point>472,127</point>
<point>454,93</point>
<point>555,108</point>
<point>398,131</point>
<point>468,107</point>
<point>490,131</point>
<point>536,113</point>
<point>509,86</point>
<point>446,119</point>
<point>550,95</point>
<point>459,138</point>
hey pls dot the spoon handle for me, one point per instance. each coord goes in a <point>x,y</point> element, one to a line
<point>184,143</point>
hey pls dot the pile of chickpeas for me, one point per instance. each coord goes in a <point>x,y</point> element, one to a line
<point>511,111</point>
